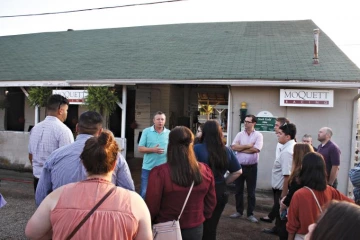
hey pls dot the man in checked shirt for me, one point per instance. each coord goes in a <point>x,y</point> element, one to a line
<point>49,135</point>
<point>64,165</point>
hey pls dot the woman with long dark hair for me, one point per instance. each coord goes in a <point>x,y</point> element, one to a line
<point>307,202</point>
<point>220,159</point>
<point>170,183</point>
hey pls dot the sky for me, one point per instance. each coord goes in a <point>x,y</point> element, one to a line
<point>340,20</point>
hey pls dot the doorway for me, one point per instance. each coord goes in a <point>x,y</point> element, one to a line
<point>14,112</point>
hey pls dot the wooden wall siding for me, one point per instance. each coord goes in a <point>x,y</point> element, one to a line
<point>160,98</point>
<point>176,103</point>
<point>142,107</point>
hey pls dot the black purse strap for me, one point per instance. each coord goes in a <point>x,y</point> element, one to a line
<point>90,213</point>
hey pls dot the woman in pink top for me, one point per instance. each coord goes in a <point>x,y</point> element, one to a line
<point>123,214</point>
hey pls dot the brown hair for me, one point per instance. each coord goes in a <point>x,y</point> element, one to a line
<point>300,149</point>
<point>313,171</point>
<point>341,220</point>
<point>184,168</point>
<point>282,120</point>
<point>100,153</point>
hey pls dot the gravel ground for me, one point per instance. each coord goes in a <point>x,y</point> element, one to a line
<point>20,203</point>
<point>17,189</point>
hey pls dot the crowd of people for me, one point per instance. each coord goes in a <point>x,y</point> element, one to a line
<point>84,189</point>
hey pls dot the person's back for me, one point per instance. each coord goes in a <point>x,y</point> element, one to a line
<point>49,135</point>
<point>167,205</point>
<point>306,208</point>
<point>112,220</point>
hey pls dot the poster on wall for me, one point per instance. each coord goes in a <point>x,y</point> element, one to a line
<point>306,98</point>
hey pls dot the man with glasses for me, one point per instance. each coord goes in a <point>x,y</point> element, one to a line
<point>247,144</point>
<point>49,135</point>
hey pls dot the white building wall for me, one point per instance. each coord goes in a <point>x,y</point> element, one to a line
<point>307,120</point>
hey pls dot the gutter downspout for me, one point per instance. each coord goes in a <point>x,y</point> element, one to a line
<point>123,112</point>
<point>229,117</point>
<point>353,140</point>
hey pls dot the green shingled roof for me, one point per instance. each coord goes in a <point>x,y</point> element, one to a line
<point>281,50</point>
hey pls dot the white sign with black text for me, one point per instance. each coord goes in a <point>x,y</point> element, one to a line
<point>306,98</point>
<point>74,96</point>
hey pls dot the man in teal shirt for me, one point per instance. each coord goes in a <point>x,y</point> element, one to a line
<point>153,143</point>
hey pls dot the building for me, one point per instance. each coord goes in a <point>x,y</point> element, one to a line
<point>174,68</point>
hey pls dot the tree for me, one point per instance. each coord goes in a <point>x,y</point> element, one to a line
<point>38,96</point>
<point>101,99</point>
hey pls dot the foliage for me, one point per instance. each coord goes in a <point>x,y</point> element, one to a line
<point>207,109</point>
<point>39,96</point>
<point>101,99</point>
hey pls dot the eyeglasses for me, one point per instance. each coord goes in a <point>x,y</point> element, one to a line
<point>248,122</point>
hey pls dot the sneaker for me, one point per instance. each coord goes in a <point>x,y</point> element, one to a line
<point>252,219</point>
<point>236,215</point>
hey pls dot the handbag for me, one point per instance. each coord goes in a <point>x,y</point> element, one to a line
<point>90,213</point>
<point>170,229</point>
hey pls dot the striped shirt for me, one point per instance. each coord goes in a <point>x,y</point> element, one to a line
<point>45,137</point>
<point>64,166</point>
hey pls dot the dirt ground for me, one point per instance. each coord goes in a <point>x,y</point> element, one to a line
<point>230,229</point>
<point>17,189</point>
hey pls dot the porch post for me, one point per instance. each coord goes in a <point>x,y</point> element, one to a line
<point>37,113</point>
<point>123,112</point>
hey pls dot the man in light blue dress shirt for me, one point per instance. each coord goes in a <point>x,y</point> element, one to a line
<point>64,165</point>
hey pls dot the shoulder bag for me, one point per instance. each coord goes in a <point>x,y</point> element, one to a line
<point>302,236</point>
<point>317,202</point>
<point>171,229</point>
<point>90,213</point>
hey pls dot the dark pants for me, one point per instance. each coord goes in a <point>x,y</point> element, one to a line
<point>194,233</point>
<point>276,206</point>
<point>279,224</point>
<point>335,184</point>
<point>210,225</point>
<point>250,176</point>
<point>36,181</point>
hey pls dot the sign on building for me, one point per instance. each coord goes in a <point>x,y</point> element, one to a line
<point>74,96</point>
<point>306,98</point>
<point>265,122</point>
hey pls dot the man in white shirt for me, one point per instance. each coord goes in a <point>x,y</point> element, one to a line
<point>49,135</point>
<point>281,171</point>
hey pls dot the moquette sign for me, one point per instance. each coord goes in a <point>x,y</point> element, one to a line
<point>74,96</point>
<point>306,98</point>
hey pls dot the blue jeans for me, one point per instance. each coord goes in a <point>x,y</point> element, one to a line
<point>249,176</point>
<point>144,182</point>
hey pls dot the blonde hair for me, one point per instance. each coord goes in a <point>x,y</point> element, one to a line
<point>300,149</point>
